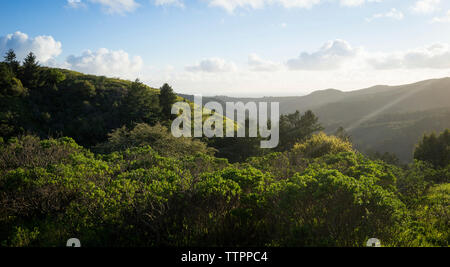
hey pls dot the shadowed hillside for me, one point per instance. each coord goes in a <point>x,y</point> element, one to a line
<point>381,118</point>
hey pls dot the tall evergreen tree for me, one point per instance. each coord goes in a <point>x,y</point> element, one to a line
<point>140,105</point>
<point>166,100</point>
<point>11,60</point>
<point>30,75</point>
<point>296,128</point>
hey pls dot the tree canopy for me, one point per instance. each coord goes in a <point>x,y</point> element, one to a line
<point>434,149</point>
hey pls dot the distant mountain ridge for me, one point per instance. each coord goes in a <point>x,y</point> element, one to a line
<point>380,118</point>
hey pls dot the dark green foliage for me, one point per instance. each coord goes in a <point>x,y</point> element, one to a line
<point>52,77</point>
<point>53,190</point>
<point>430,222</point>
<point>295,128</point>
<point>237,149</point>
<point>140,105</point>
<point>327,208</point>
<point>158,137</point>
<point>11,60</point>
<point>435,149</point>
<point>415,182</point>
<point>166,99</point>
<point>55,102</point>
<point>387,157</point>
<point>9,84</point>
<point>30,71</point>
<point>12,94</point>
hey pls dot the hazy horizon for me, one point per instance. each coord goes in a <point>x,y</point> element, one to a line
<point>318,90</point>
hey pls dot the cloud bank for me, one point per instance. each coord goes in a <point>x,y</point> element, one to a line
<point>44,47</point>
<point>213,65</point>
<point>109,6</point>
<point>106,62</point>
<point>330,56</point>
<point>124,6</point>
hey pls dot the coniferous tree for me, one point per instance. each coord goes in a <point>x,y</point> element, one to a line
<point>166,100</point>
<point>296,128</point>
<point>30,72</point>
<point>11,60</point>
<point>140,105</point>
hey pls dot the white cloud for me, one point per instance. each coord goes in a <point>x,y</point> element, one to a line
<point>75,4</point>
<point>344,67</point>
<point>331,56</point>
<point>392,14</point>
<point>443,19</point>
<point>106,62</point>
<point>117,6</point>
<point>340,55</point>
<point>258,64</point>
<point>213,65</point>
<point>352,3</point>
<point>123,6</point>
<point>436,56</point>
<point>426,6</point>
<point>177,3</point>
<point>231,5</point>
<point>44,47</point>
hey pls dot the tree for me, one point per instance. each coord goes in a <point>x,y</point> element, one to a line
<point>434,149</point>
<point>389,158</point>
<point>82,89</point>
<point>166,100</point>
<point>30,75</point>
<point>327,208</point>
<point>296,128</point>
<point>12,61</point>
<point>237,149</point>
<point>51,77</point>
<point>9,85</point>
<point>140,105</point>
<point>342,134</point>
<point>158,137</point>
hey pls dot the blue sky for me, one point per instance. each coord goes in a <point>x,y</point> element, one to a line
<point>237,47</point>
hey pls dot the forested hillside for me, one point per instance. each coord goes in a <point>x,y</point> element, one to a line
<point>92,158</point>
<point>55,102</point>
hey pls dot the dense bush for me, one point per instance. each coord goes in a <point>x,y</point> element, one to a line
<point>430,222</point>
<point>53,190</point>
<point>434,149</point>
<point>320,145</point>
<point>158,137</point>
<point>326,208</point>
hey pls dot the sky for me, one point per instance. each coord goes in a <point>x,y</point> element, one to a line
<point>237,47</point>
